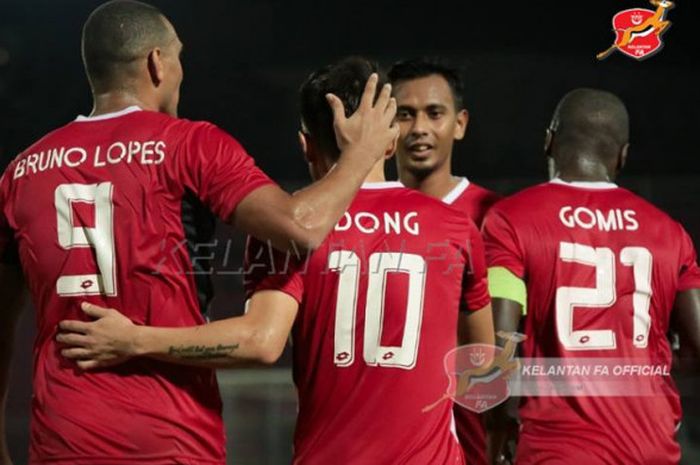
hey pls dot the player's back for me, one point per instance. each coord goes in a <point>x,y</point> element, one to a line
<point>95,210</point>
<point>379,314</point>
<point>603,267</point>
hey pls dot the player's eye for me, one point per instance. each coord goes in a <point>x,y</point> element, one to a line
<point>403,115</point>
<point>436,114</point>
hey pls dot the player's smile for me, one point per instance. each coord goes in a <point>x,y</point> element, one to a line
<point>420,150</point>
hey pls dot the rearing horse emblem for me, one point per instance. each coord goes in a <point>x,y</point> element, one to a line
<point>638,31</point>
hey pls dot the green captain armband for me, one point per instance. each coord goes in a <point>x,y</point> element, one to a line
<point>503,284</point>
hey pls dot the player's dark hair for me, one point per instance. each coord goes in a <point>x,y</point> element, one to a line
<point>589,123</point>
<point>417,68</point>
<point>115,35</point>
<point>346,79</point>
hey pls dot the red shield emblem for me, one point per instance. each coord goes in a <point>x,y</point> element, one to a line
<point>641,44</point>
<point>477,385</point>
<point>638,31</point>
<point>478,374</point>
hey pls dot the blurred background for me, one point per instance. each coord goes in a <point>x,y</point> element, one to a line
<point>245,60</point>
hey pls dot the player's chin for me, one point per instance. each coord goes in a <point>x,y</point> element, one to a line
<point>421,166</point>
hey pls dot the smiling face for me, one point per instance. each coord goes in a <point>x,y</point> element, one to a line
<point>429,123</point>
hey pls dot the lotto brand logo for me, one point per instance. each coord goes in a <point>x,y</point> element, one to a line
<point>638,31</point>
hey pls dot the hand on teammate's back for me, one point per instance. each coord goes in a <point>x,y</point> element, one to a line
<point>370,129</point>
<point>108,340</point>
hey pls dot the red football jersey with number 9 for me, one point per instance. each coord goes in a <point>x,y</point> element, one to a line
<point>94,210</point>
<point>379,302</point>
<point>603,268</point>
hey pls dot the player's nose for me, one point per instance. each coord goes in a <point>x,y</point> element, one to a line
<point>420,125</point>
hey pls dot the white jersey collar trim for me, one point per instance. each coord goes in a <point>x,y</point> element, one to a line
<point>585,184</point>
<point>381,185</point>
<point>115,114</point>
<point>456,191</point>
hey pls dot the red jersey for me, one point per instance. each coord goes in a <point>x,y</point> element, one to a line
<point>471,199</point>
<point>602,268</point>
<point>474,201</point>
<point>94,209</point>
<point>379,302</point>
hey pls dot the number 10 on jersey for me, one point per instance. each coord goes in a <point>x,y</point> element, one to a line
<point>347,265</point>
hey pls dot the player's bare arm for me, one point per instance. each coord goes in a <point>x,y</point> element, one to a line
<point>501,427</point>
<point>686,321</point>
<point>307,216</point>
<point>477,327</point>
<point>259,336</point>
<point>12,295</point>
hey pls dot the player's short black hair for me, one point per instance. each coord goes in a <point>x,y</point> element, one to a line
<point>591,123</point>
<point>115,35</point>
<point>428,66</point>
<point>346,79</point>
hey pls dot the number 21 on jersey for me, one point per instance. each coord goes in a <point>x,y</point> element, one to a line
<point>100,236</point>
<point>603,295</point>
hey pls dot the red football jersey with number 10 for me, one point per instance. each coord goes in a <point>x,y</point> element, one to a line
<point>603,268</point>
<point>379,302</point>
<point>94,210</point>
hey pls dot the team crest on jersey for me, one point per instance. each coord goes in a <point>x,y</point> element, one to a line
<point>479,373</point>
<point>638,31</point>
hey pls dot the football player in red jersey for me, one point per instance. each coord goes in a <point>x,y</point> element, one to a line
<point>431,116</point>
<point>606,275</point>
<point>372,312</point>
<point>88,211</point>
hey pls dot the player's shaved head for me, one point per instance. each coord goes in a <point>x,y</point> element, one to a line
<point>589,126</point>
<point>346,79</point>
<point>116,35</point>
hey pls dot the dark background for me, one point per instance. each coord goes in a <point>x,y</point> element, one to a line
<point>245,59</point>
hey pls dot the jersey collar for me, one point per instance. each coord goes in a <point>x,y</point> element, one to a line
<point>115,114</point>
<point>585,184</point>
<point>381,185</point>
<point>456,191</point>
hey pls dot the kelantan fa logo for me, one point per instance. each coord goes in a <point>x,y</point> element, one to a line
<point>638,31</point>
<point>478,373</point>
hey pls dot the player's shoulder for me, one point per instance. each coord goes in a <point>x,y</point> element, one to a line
<point>203,132</point>
<point>645,207</point>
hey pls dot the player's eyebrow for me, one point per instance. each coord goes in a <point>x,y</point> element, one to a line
<point>436,106</point>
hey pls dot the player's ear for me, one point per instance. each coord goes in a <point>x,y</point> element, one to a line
<point>548,138</point>
<point>461,126</point>
<point>391,149</point>
<point>622,159</point>
<point>304,144</point>
<point>156,67</point>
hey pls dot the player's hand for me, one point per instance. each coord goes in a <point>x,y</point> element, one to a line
<point>109,340</point>
<point>371,128</point>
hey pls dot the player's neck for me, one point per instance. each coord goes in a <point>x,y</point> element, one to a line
<point>377,173</point>
<point>437,184</point>
<point>590,174</point>
<point>110,102</point>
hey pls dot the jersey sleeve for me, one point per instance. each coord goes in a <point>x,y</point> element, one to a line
<point>214,166</point>
<point>502,244</point>
<point>475,288</point>
<point>689,276</point>
<point>267,269</point>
